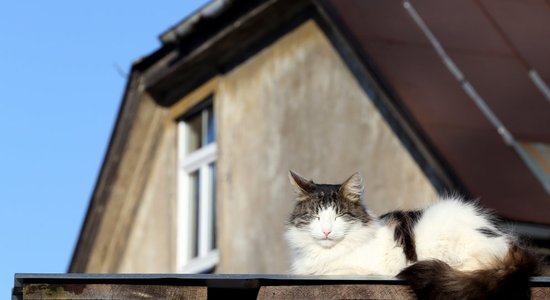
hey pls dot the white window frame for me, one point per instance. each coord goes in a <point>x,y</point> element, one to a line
<point>188,163</point>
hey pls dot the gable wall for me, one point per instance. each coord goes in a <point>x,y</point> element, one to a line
<point>295,105</point>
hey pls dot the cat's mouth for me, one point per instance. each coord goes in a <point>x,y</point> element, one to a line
<point>327,242</point>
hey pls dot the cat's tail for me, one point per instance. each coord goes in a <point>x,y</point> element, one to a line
<point>507,279</point>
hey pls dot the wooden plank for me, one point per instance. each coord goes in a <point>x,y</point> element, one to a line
<point>112,291</point>
<point>348,291</point>
<point>199,286</point>
<point>375,291</point>
<point>540,293</point>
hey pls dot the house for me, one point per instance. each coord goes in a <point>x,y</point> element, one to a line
<point>423,98</point>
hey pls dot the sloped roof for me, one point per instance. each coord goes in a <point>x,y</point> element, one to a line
<point>497,46</point>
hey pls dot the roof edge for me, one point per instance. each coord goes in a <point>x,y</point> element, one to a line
<point>189,24</point>
<point>111,160</point>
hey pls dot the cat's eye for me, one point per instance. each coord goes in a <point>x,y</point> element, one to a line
<point>346,214</point>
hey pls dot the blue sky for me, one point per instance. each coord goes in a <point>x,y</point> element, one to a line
<point>63,72</point>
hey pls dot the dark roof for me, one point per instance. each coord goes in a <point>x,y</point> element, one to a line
<point>495,45</point>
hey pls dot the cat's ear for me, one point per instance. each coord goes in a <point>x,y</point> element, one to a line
<point>304,185</point>
<point>352,189</point>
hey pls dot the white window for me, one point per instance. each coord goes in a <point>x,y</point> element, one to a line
<point>197,152</point>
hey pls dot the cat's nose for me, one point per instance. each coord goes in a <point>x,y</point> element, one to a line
<point>326,231</point>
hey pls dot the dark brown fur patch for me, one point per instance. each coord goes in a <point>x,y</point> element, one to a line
<point>404,222</point>
<point>507,279</point>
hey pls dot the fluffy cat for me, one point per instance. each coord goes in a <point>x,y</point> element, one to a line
<point>450,250</point>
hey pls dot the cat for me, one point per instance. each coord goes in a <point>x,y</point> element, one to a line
<point>452,249</point>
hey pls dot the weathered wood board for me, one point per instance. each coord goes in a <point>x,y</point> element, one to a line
<point>112,291</point>
<point>352,291</point>
<point>138,291</point>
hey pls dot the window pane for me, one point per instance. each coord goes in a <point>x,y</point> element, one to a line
<point>213,201</point>
<point>194,133</point>
<point>210,128</point>
<point>195,203</point>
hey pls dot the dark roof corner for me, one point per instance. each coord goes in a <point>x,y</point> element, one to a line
<point>187,26</point>
<point>214,40</point>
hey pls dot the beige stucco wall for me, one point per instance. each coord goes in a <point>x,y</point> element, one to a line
<point>296,106</point>
<point>151,244</point>
<point>137,230</point>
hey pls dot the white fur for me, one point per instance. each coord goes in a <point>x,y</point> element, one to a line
<point>447,231</point>
<point>351,248</point>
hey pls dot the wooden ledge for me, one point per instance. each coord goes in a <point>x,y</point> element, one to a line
<point>181,286</point>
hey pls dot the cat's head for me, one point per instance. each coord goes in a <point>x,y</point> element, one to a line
<point>327,212</point>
